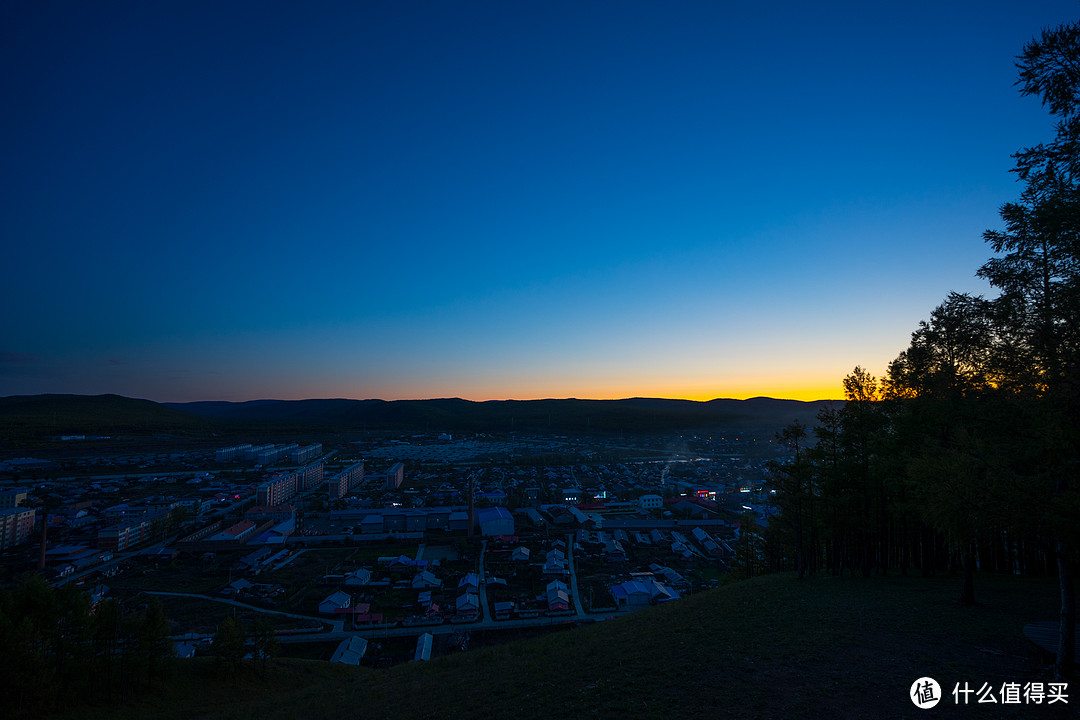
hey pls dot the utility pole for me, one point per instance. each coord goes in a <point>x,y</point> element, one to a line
<point>44,533</point>
<point>472,501</point>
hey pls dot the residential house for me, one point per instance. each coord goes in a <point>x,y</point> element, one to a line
<point>555,563</point>
<point>683,550</point>
<point>632,593</point>
<point>558,514</point>
<point>238,586</point>
<point>614,551</point>
<point>470,582</point>
<point>425,579</point>
<point>335,602</point>
<point>350,651</point>
<point>503,609</point>
<point>670,576</point>
<point>558,596</point>
<point>468,603</point>
<point>358,578</point>
<point>706,542</point>
<point>660,592</point>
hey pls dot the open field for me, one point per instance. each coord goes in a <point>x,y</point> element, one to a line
<point>196,615</point>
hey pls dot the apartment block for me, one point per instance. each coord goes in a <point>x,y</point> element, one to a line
<point>278,490</point>
<point>129,533</point>
<point>305,454</point>
<point>395,476</point>
<point>312,475</point>
<point>15,526</point>
<point>12,497</point>
<point>232,453</point>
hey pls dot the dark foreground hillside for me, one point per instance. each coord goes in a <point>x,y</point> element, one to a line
<point>771,647</point>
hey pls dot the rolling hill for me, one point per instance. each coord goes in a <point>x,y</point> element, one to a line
<point>23,416</point>
<point>634,415</point>
<point>36,416</point>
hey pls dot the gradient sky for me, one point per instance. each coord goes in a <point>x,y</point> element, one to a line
<point>240,200</point>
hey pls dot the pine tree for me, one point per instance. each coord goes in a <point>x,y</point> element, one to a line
<point>154,646</point>
<point>228,644</point>
<point>1037,315</point>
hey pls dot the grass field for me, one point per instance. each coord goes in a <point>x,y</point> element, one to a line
<point>195,615</point>
<point>772,647</point>
<point>186,578</point>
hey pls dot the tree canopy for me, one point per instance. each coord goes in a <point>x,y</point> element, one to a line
<point>964,454</point>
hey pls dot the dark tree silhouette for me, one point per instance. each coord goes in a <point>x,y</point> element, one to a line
<point>228,643</point>
<point>1037,270</point>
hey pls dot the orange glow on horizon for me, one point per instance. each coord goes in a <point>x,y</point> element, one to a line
<point>805,393</point>
<point>558,386</point>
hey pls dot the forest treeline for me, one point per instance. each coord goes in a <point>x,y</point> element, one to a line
<point>965,454</point>
<point>63,647</point>
<point>59,644</point>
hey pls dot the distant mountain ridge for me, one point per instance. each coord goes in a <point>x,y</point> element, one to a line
<point>43,415</point>
<point>571,414</point>
<point>46,415</point>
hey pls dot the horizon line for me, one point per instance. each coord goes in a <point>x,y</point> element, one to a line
<point>421,399</point>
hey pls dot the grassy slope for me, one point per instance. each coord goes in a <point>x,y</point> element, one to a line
<point>768,648</point>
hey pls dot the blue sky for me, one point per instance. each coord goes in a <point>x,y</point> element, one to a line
<point>244,200</point>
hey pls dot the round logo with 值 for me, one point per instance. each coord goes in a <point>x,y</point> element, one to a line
<point>925,693</point>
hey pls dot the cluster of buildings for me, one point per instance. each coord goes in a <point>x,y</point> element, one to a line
<point>406,522</point>
<point>260,525</point>
<point>270,453</point>
<point>102,530</point>
<point>698,544</point>
<point>577,533</point>
<point>392,478</point>
<point>282,487</point>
